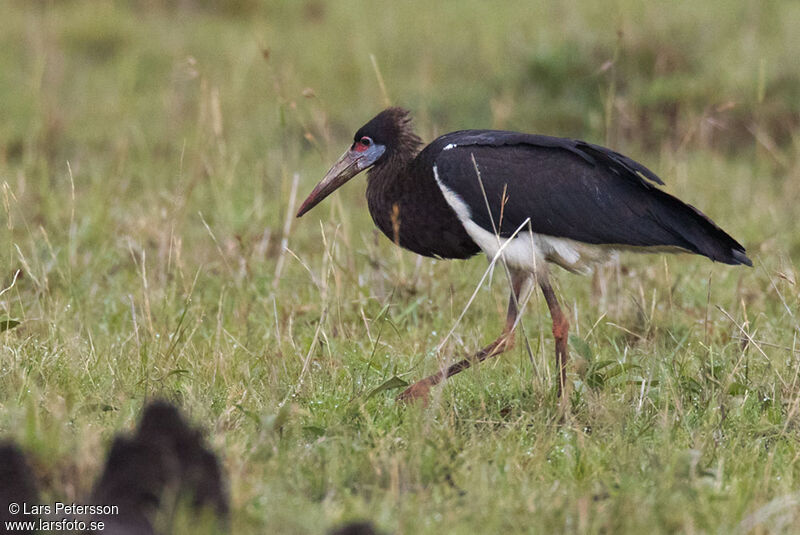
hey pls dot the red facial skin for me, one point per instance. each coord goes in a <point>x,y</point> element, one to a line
<point>360,146</point>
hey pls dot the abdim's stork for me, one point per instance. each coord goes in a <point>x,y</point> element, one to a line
<point>533,199</point>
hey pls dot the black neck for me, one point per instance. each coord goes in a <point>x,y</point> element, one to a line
<point>407,205</point>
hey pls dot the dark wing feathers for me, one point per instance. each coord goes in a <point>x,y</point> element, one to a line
<point>579,191</point>
<point>593,154</point>
<point>615,162</point>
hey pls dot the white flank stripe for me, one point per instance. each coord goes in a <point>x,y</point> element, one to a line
<point>526,250</point>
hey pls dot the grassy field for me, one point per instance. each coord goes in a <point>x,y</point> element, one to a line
<point>149,156</point>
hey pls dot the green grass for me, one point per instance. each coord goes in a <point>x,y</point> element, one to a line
<point>147,155</point>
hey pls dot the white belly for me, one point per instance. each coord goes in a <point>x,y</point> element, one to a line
<point>528,250</point>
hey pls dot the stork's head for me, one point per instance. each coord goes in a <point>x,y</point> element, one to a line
<point>386,133</point>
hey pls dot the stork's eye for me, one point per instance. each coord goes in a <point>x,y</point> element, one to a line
<point>366,141</point>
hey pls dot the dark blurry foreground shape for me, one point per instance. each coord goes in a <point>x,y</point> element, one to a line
<point>17,484</point>
<point>163,464</point>
<point>148,474</point>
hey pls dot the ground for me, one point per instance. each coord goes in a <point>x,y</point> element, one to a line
<point>151,157</point>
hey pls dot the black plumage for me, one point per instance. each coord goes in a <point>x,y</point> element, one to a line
<point>413,213</point>
<point>561,199</point>
<point>570,189</point>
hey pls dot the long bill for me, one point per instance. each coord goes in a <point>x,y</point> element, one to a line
<point>345,168</point>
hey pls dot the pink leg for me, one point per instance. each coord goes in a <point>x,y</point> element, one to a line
<point>421,389</point>
<point>560,332</point>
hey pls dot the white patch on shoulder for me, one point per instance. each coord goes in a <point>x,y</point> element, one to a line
<point>527,250</point>
<point>450,146</point>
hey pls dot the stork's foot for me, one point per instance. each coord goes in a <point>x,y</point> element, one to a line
<point>419,391</point>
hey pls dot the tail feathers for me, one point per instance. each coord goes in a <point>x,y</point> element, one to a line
<point>696,232</point>
<point>740,257</point>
